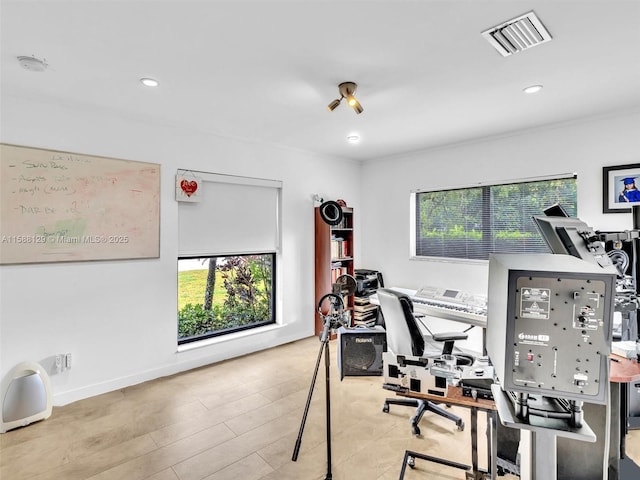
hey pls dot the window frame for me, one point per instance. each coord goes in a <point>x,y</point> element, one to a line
<point>225,199</point>
<point>219,333</point>
<point>486,186</point>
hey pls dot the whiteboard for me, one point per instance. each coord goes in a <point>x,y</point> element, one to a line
<point>61,206</point>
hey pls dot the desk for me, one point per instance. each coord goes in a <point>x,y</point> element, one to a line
<point>585,460</point>
<point>622,372</point>
<point>455,397</point>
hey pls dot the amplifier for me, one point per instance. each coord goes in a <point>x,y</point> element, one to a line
<point>476,392</point>
<point>360,351</point>
<point>477,379</point>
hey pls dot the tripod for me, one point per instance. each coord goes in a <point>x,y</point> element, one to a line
<point>331,321</point>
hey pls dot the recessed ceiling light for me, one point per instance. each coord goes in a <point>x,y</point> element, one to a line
<point>149,82</point>
<point>532,89</point>
<point>353,138</point>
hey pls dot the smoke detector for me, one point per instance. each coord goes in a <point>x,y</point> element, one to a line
<point>32,64</point>
<point>518,34</point>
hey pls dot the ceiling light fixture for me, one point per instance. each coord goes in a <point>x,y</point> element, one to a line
<point>346,90</point>
<point>353,138</point>
<point>32,63</point>
<point>532,89</point>
<point>149,82</point>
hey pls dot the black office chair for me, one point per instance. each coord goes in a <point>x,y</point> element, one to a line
<point>404,338</point>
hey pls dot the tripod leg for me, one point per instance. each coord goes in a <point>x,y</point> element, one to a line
<point>328,407</point>
<point>296,449</point>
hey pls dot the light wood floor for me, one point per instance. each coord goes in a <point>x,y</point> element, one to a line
<point>237,420</point>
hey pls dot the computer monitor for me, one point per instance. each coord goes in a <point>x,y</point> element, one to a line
<point>571,236</point>
<point>555,210</point>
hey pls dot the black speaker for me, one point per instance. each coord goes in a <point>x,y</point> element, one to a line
<point>360,351</point>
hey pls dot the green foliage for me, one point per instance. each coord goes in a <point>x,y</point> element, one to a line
<point>242,296</point>
<point>195,320</point>
<point>513,235</point>
<point>455,232</point>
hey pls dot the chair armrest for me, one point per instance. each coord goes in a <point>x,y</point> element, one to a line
<point>449,336</point>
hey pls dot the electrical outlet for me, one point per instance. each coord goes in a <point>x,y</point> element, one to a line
<point>58,363</point>
<point>67,360</point>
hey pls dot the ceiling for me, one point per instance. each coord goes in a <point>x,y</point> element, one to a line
<point>265,71</point>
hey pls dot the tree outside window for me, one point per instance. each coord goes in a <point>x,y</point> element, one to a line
<point>223,294</point>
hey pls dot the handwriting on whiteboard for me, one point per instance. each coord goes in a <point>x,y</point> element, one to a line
<point>59,206</point>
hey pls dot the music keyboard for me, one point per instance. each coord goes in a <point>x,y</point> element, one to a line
<point>458,313</point>
<point>448,304</point>
<point>451,304</point>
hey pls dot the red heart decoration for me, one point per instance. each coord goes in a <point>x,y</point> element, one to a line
<point>189,187</point>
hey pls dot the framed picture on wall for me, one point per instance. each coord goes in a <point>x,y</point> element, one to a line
<point>620,189</point>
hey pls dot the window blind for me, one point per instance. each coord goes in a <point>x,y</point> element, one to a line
<point>235,215</point>
<point>471,223</point>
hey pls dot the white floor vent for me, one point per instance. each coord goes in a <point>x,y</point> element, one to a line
<point>26,396</point>
<point>518,34</point>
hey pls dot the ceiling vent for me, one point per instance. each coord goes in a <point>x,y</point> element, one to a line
<point>518,34</point>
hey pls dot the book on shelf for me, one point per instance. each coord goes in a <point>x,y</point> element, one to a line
<point>340,248</point>
<point>347,222</point>
<point>337,272</point>
<point>344,224</point>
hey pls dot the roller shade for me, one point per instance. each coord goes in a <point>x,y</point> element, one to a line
<point>235,215</point>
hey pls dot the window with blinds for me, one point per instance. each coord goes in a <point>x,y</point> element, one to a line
<point>471,223</point>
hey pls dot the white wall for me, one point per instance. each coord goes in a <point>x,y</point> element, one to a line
<point>581,147</point>
<point>118,318</point>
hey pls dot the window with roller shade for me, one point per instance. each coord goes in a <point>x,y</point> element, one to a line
<point>227,251</point>
<point>470,223</point>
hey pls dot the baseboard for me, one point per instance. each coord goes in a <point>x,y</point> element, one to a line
<point>73,395</point>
